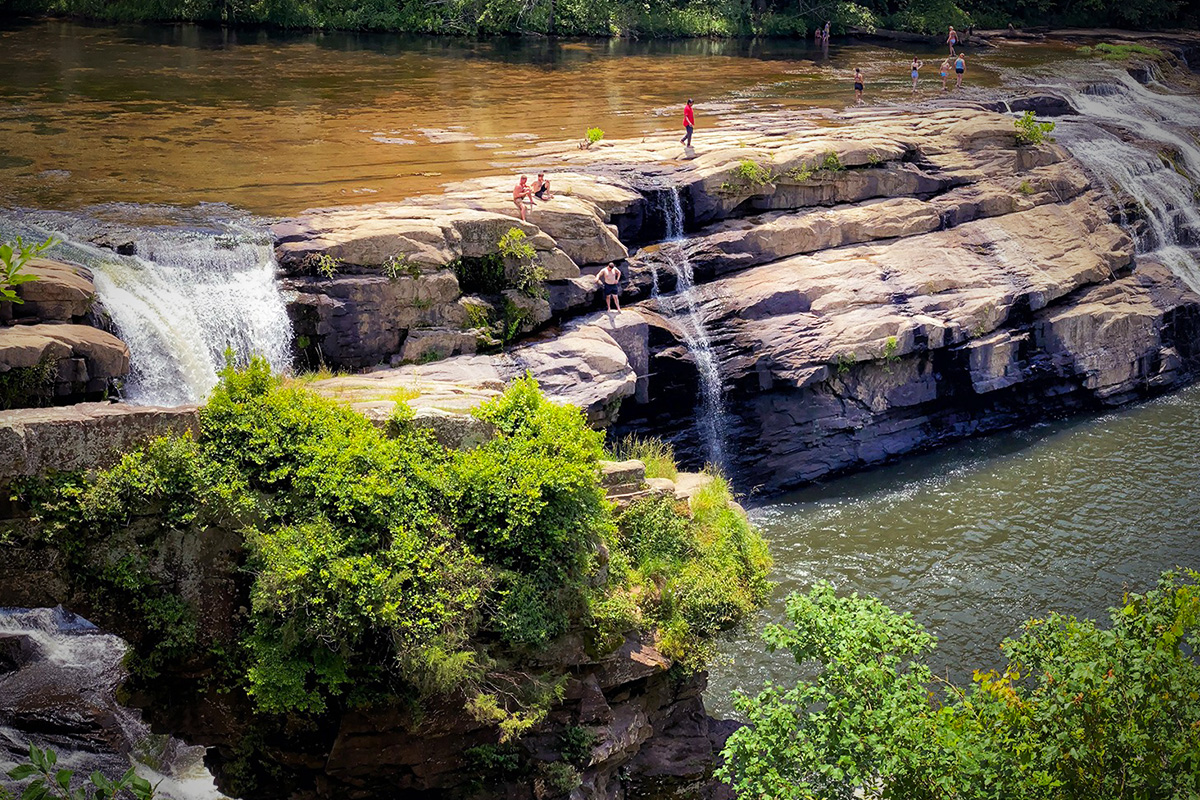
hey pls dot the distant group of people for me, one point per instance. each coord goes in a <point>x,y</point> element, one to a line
<point>609,278</point>
<point>959,65</point>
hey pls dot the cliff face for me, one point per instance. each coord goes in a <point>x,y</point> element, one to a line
<point>867,289</point>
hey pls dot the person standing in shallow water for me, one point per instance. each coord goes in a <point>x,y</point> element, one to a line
<point>689,124</point>
<point>960,66</point>
<point>858,85</point>
<point>952,39</point>
<point>945,72</point>
<point>915,68</point>
<point>609,279</point>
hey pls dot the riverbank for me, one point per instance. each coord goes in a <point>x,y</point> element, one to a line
<point>656,19</point>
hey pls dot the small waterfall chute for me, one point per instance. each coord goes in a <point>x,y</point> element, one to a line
<point>193,290</point>
<point>684,305</point>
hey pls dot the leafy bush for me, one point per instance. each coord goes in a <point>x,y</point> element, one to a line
<point>1030,131</point>
<point>323,265</point>
<point>832,162</point>
<point>398,266</point>
<point>594,135</point>
<point>14,256</point>
<point>1079,712</point>
<point>382,567</point>
<point>25,387</point>
<point>751,173</point>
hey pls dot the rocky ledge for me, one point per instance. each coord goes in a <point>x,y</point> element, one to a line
<point>870,286</point>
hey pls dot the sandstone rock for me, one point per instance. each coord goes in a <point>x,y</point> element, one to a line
<point>434,344</point>
<point>83,361</point>
<point>617,474</point>
<point>61,293</point>
<point>87,436</point>
<point>454,430</point>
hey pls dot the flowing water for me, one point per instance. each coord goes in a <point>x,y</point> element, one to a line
<point>58,680</point>
<point>202,282</point>
<point>685,305</point>
<point>978,537</point>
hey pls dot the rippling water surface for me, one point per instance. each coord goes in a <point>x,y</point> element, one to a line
<point>274,123</point>
<point>978,537</point>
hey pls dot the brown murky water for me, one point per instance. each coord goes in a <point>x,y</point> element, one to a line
<point>274,123</point>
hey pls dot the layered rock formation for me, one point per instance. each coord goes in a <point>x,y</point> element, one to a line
<point>869,288</point>
<point>50,350</point>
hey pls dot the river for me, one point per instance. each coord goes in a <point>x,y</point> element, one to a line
<point>150,126</point>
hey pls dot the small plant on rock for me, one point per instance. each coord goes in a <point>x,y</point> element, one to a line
<point>844,362</point>
<point>832,162</point>
<point>528,276</point>
<point>1030,131</point>
<point>1026,188</point>
<point>398,266</point>
<point>324,265</point>
<point>891,354</point>
<point>14,256</point>
<point>594,135</point>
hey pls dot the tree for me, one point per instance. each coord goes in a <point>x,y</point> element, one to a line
<point>1080,711</point>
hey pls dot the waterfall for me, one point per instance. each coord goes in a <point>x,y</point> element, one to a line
<point>59,677</point>
<point>202,281</point>
<point>711,422</point>
<point>1138,141</point>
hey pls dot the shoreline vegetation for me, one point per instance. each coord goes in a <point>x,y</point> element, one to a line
<point>633,18</point>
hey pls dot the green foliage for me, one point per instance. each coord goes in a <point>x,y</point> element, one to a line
<point>323,265</point>
<point>25,387</point>
<point>1026,188</point>
<point>525,274</point>
<point>832,162</point>
<point>515,245</point>
<point>481,275</point>
<point>381,567</point>
<point>1030,131</point>
<point>1079,712</point>
<point>751,173</point>
<point>844,362</point>
<point>1120,52</point>
<point>575,745</point>
<point>891,353</point>
<point>693,572</point>
<point>560,778</point>
<point>46,782</point>
<point>657,455</point>
<point>14,256</point>
<point>398,266</point>
<point>593,135</point>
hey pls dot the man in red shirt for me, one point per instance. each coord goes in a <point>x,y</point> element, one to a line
<point>689,124</point>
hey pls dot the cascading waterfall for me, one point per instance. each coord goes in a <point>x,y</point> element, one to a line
<point>1139,141</point>
<point>199,285</point>
<point>64,682</point>
<point>684,305</point>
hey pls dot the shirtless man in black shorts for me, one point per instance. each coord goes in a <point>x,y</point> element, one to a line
<point>541,187</point>
<point>609,279</point>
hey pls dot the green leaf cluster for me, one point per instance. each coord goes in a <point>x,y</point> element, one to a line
<point>14,256</point>
<point>48,782</point>
<point>1030,131</point>
<point>1080,711</point>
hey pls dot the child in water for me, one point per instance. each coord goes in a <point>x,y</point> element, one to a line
<point>945,72</point>
<point>858,85</point>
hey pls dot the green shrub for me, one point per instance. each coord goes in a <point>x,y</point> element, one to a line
<point>656,454</point>
<point>1079,712</point>
<point>1030,131</point>
<point>1120,52</point>
<point>398,266</point>
<point>594,135</point>
<point>751,173</point>
<point>26,387</point>
<point>832,162</point>
<point>323,265</point>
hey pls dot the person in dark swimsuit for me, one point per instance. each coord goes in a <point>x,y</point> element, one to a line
<point>858,85</point>
<point>609,279</point>
<point>960,66</point>
<point>541,187</point>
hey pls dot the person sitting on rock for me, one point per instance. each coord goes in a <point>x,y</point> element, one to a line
<point>522,195</point>
<point>609,279</point>
<point>541,187</point>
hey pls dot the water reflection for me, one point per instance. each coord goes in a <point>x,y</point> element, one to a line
<point>275,122</point>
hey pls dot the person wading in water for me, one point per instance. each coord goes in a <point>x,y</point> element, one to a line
<point>960,66</point>
<point>858,85</point>
<point>609,279</point>
<point>689,124</point>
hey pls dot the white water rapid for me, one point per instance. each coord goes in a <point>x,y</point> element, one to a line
<point>1141,142</point>
<point>58,678</point>
<point>202,281</point>
<point>684,305</point>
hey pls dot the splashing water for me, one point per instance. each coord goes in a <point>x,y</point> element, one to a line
<point>1141,142</point>
<point>685,308</point>
<point>194,290</point>
<point>63,690</point>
